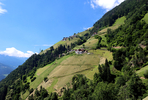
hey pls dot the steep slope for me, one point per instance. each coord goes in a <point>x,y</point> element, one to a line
<point>126,8</point>
<point>75,64</point>
<point>71,41</point>
<point>60,72</point>
<point>127,34</point>
<point>91,42</point>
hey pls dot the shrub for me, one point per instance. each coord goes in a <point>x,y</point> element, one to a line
<point>145,64</point>
<point>110,62</point>
<point>24,77</point>
<point>45,79</point>
<point>138,68</point>
<point>26,86</point>
<point>31,90</point>
<point>33,79</point>
<point>25,81</point>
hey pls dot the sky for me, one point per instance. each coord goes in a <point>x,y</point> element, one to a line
<point>29,26</point>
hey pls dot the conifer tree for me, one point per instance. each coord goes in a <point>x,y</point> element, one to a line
<point>100,69</point>
<point>108,73</point>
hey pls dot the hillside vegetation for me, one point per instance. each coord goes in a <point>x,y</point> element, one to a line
<point>71,41</point>
<point>113,66</point>
<point>61,71</point>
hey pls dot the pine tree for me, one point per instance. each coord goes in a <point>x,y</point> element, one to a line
<point>100,69</point>
<point>108,73</point>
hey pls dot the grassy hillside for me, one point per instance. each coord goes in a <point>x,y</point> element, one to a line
<point>61,71</point>
<point>68,42</point>
<point>84,32</point>
<point>91,42</point>
<point>118,72</point>
<point>120,21</point>
<point>146,18</point>
<point>69,65</point>
<point>142,71</point>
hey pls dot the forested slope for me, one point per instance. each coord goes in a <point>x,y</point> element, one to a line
<point>116,79</point>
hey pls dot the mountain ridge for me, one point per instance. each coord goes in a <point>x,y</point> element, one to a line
<point>12,61</point>
<point>4,71</point>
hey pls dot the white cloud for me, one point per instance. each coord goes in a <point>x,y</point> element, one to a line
<point>2,11</point>
<point>16,53</point>
<point>105,4</point>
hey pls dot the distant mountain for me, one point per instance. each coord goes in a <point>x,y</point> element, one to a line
<point>4,71</point>
<point>13,62</point>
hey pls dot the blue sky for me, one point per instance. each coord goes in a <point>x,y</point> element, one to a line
<point>28,26</point>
